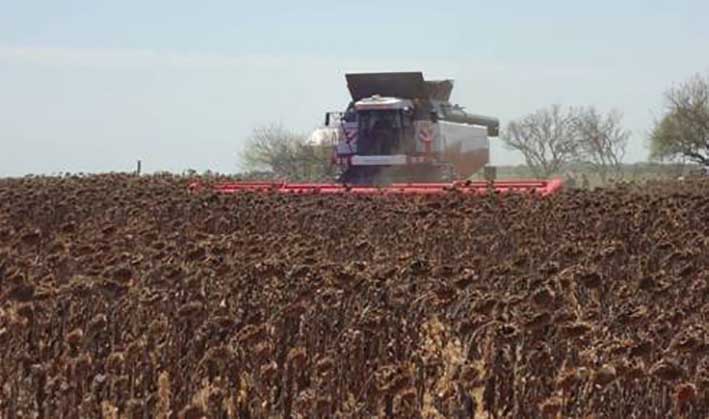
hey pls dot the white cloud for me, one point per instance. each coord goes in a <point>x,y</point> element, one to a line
<point>93,109</point>
<point>145,58</point>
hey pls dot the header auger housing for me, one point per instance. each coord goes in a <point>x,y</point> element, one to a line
<point>400,134</point>
<point>540,187</point>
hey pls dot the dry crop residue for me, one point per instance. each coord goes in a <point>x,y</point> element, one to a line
<point>130,297</point>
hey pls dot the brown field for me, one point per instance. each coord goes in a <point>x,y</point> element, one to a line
<point>129,297</point>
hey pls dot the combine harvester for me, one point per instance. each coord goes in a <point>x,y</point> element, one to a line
<point>400,134</point>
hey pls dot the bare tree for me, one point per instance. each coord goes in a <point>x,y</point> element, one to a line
<point>683,131</point>
<point>546,138</point>
<point>285,153</point>
<point>602,141</point>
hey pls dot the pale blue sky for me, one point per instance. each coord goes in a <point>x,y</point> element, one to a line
<point>95,85</point>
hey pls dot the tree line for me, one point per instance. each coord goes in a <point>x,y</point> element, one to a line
<point>272,151</point>
<point>550,139</point>
<point>554,137</point>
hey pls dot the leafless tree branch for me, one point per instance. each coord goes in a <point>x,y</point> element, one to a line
<point>546,138</point>
<point>285,153</point>
<point>602,141</point>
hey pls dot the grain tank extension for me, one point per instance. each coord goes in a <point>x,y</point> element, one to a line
<point>399,127</point>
